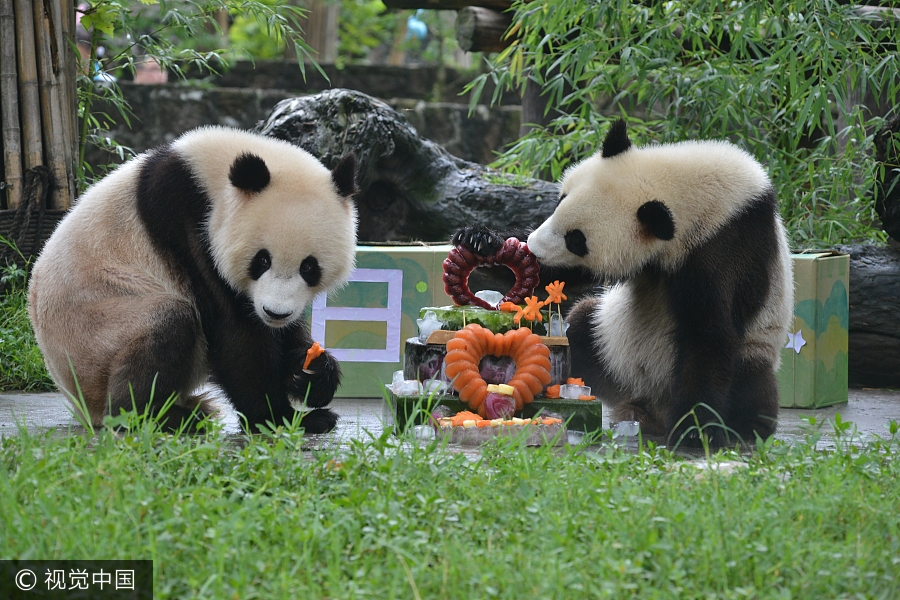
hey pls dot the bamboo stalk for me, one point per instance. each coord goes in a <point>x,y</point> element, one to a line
<point>51,106</point>
<point>9,107</point>
<point>29,96</point>
<point>72,65</point>
<point>65,38</point>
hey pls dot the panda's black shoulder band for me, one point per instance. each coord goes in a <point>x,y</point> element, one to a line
<point>249,173</point>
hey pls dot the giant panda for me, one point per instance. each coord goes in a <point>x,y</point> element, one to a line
<point>192,260</point>
<point>690,332</point>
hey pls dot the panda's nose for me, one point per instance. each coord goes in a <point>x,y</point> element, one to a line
<point>275,315</point>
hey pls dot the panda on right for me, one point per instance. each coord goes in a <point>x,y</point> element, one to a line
<point>691,234</point>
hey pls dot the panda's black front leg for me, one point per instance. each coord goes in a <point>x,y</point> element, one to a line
<point>314,385</point>
<point>484,241</point>
<point>317,384</point>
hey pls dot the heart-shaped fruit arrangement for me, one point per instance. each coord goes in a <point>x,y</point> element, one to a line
<point>474,342</point>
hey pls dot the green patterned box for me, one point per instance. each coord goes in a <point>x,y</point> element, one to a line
<point>365,324</point>
<point>814,362</point>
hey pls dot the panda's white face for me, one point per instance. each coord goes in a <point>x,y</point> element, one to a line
<point>282,227</point>
<point>626,207</point>
<point>280,269</point>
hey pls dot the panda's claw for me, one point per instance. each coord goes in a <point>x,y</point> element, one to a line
<point>477,239</point>
<point>317,386</point>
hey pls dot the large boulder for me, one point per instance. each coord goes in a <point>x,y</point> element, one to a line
<point>411,188</point>
<point>874,353</point>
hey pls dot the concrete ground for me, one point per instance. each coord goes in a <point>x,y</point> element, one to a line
<point>870,412</point>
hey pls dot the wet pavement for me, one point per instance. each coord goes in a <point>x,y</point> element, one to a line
<point>869,411</point>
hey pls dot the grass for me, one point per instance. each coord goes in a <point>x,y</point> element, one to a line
<point>260,517</point>
<point>21,364</point>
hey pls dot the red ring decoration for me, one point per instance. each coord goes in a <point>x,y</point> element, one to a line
<point>514,254</point>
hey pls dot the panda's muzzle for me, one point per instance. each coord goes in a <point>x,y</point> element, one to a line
<point>276,316</point>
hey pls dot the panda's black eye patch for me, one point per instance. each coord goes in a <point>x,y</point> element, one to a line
<point>576,243</point>
<point>261,263</point>
<point>249,173</point>
<point>310,271</point>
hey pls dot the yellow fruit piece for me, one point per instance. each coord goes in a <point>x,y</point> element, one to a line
<point>500,388</point>
<point>469,423</point>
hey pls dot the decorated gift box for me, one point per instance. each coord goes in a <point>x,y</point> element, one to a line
<point>814,361</point>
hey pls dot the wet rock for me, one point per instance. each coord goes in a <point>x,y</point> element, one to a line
<point>411,188</point>
<point>874,344</point>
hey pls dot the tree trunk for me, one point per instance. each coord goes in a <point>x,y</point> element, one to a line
<point>874,353</point>
<point>411,188</point>
<point>482,29</point>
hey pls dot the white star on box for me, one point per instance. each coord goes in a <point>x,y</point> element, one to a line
<point>796,341</point>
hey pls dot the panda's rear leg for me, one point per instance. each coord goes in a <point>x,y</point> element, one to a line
<point>158,363</point>
<point>753,401</point>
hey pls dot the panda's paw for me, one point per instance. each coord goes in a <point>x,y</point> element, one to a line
<point>320,420</point>
<point>316,384</point>
<point>688,435</point>
<point>478,239</point>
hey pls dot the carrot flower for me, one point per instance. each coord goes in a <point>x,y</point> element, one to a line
<point>314,352</point>
<point>532,309</point>
<point>555,292</point>
<point>520,312</point>
<point>512,307</point>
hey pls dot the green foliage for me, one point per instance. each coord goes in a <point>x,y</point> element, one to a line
<point>363,26</point>
<point>253,37</point>
<point>791,81</point>
<point>260,517</point>
<point>177,35</point>
<point>21,364</point>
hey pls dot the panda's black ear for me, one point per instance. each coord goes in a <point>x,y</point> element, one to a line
<point>344,176</point>
<point>249,173</point>
<point>616,140</point>
<point>657,220</point>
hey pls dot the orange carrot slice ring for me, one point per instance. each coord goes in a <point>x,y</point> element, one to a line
<point>474,342</point>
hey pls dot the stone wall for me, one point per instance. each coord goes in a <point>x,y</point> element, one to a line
<point>160,113</point>
<point>418,82</point>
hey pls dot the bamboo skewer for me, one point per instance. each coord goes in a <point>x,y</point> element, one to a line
<point>51,107</point>
<point>9,107</point>
<point>29,96</point>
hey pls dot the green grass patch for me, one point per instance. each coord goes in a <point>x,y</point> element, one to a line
<point>260,517</point>
<point>21,364</point>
